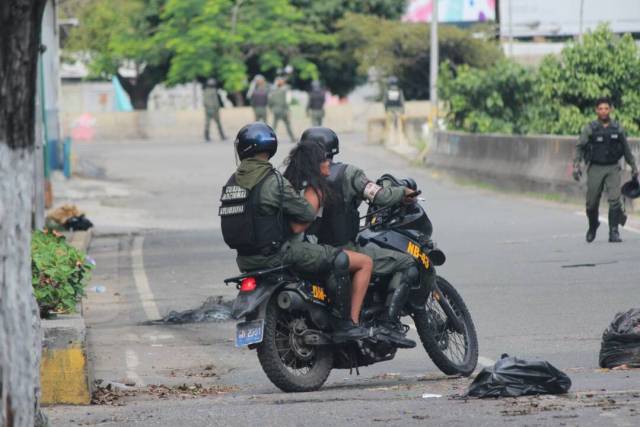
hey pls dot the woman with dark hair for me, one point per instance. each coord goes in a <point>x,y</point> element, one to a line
<point>307,170</point>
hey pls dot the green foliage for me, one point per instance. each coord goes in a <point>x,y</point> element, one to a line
<point>59,272</point>
<point>336,65</point>
<point>117,32</point>
<point>604,64</point>
<point>492,100</point>
<point>220,37</point>
<point>557,98</point>
<point>402,49</point>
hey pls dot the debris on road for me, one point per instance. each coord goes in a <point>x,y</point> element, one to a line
<point>430,396</point>
<point>68,217</point>
<point>98,289</point>
<point>110,394</point>
<point>621,342</point>
<point>214,309</point>
<point>513,377</point>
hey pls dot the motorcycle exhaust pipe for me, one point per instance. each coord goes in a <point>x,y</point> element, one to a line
<point>290,300</point>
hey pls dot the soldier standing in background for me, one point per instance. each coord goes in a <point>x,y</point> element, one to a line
<point>393,100</point>
<point>212,104</point>
<point>315,106</point>
<point>602,144</point>
<point>259,98</point>
<point>279,100</point>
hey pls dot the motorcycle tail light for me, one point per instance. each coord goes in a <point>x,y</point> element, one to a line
<point>248,284</point>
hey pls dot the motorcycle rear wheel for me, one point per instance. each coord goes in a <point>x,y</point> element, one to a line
<point>289,364</point>
<point>453,352</point>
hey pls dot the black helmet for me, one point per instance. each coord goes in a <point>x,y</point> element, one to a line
<point>631,188</point>
<point>323,136</point>
<point>392,81</point>
<point>256,138</point>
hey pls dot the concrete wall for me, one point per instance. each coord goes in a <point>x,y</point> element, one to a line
<point>529,163</point>
<point>189,124</point>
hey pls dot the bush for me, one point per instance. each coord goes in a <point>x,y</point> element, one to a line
<point>557,98</point>
<point>59,273</point>
<point>492,100</point>
<point>403,49</point>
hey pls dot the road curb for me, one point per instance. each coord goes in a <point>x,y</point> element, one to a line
<point>64,373</point>
<point>64,369</point>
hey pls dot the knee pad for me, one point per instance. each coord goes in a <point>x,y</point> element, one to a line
<point>340,263</point>
<point>339,286</point>
<point>411,276</point>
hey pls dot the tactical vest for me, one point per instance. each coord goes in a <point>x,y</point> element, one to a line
<point>210,98</point>
<point>393,97</point>
<point>605,144</point>
<point>316,99</point>
<point>340,221</point>
<point>259,98</point>
<point>243,228</point>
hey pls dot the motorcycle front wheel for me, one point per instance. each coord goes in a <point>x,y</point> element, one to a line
<point>455,352</point>
<point>289,363</point>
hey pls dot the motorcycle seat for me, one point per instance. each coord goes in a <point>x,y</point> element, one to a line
<point>256,273</point>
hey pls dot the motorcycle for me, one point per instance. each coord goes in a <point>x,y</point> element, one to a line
<point>287,318</point>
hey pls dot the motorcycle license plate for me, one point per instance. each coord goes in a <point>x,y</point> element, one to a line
<point>249,332</point>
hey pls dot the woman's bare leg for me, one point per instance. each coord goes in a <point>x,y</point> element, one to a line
<point>361,266</point>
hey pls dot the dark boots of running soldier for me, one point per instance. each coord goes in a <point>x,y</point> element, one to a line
<point>602,144</point>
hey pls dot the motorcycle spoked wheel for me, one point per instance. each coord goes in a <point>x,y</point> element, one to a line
<point>291,365</point>
<point>454,353</point>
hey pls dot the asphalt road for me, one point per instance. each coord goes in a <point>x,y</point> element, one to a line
<point>534,288</point>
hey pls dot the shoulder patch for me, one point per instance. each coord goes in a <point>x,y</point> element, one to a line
<point>370,190</point>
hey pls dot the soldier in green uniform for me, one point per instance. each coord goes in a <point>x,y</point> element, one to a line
<point>279,105</point>
<point>340,224</point>
<point>258,204</point>
<point>393,100</point>
<point>211,102</point>
<point>602,144</point>
<point>259,98</point>
<point>315,106</point>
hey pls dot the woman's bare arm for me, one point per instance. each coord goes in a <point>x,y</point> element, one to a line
<point>313,199</point>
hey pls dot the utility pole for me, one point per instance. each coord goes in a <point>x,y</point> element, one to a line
<point>510,29</point>
<point>433,74</point>
<point>581,20</point>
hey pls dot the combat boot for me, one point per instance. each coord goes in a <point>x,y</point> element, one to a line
<point>614,220</point>
<point>594,223</point>
<point>339,290</point>
<point>392,328</point>
<point>207,138</point>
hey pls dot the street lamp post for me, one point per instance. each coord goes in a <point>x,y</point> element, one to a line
<point>433,74</point>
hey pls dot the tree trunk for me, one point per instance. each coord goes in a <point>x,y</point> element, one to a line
<point>140,87</point>
<point>20,22</point>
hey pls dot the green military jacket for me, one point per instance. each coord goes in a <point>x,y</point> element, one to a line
<point>355,185</point>
<point>295,207</point>
<point>583,141</point>
<point>278,100</point>
<point>210,98</point>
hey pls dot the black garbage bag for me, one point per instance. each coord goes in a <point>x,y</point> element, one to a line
<point>513,377</point>
<point>621,341</point>
<point>76,223</point>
